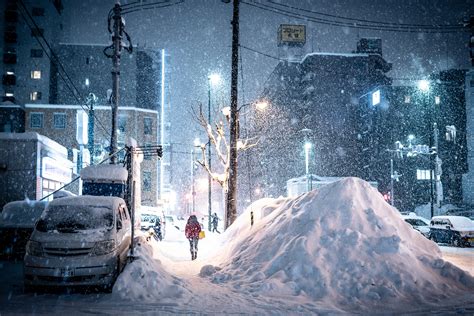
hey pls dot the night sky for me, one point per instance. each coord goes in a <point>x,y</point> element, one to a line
<point>197,37</point>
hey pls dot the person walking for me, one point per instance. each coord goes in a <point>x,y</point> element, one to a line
<point>215,221</point>
<point>192,230</point>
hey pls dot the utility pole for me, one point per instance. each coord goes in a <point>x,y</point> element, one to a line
<point>209,160</point>
<point>92,100</point>
<point>391,182</point>
<point>117,33</point>
<point>231,203</point>
<point>117,41</point>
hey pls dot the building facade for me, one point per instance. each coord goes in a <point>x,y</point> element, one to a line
<point>314,100</point>
<point>397,123</point>
<point>31,166</point>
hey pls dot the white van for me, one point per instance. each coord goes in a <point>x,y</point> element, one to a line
<point>78,241</point>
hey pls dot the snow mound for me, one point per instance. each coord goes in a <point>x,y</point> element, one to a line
<point>145,280</point>
<point>341,246</point>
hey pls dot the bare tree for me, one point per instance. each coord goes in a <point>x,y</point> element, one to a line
<point>217,134</point>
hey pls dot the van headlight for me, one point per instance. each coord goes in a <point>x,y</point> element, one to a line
<point>34,248</point>
<point>103,247</point>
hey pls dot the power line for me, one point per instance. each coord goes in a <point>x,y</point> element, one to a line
<point>392,24</point>
<point>346,24</point>
<point>153,6</point>
<point>261,53</point>
<point>37,31</point>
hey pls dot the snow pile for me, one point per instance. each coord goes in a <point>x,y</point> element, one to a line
<point>145,280</point>
<point>341,247</point>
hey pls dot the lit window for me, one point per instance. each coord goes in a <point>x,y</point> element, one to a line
<point>407,99</point>
<point>423,174</point>
<point>87,82</point>
<point>59,120</point>
<point>36,120</point>
<point>9,94</point>
<point>437,99</point>
<point>36,74</point>
<point>35,96</point>
<point>376,97</point>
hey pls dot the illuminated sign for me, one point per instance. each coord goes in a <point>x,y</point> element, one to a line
<point>376,97</point>
<point>53,169</point>
<point>291,35</point>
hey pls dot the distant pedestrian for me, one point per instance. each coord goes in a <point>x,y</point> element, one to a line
<point>215,221</point>
<point>192,230</point>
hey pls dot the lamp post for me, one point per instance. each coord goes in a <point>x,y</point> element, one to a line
<point>197,143</point>
<point>213,79</point>
<point>307,148</point>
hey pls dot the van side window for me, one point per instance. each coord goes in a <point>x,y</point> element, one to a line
<point>124,212</point>
<point>119,215</point>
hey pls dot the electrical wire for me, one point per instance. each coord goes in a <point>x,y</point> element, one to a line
<point>392,24</point>
<point>345,24</point>
<point>142,8</point>
<point>36,29</point>
<point>261,53</point>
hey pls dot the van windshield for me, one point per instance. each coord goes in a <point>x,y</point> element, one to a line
<point>74,218</point>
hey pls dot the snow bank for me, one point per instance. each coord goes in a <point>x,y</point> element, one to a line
<point>146,281</point>
<point>341,246</point>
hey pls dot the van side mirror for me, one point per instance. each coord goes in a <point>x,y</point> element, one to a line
<point>119,224</point>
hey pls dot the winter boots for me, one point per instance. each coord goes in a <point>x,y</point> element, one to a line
<point>193,255</point>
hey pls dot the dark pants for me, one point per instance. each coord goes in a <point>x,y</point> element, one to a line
<point>193,245</point>
<point>214,228</point>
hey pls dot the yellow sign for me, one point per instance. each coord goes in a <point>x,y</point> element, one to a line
<point>292,35</point>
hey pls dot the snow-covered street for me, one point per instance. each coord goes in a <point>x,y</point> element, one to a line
<point>340,249</point>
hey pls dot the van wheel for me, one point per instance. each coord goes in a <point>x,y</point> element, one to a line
<point>108,288</point>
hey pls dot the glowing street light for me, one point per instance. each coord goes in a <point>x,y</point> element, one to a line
<point>424,85</point>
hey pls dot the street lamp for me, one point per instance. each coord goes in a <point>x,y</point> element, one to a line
<point>213,80</point>
<point>307,148</point>
<point>424,85</point>
<point>197,143</point>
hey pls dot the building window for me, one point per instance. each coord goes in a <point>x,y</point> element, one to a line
<point>423,174</point>
<point>407,99</point>
<point>437,100</point>
<point>36,74</point>
<point>36,120</point>
<point>35,96</point>
<point>59,120</point>
<point>122,123</point>
<point>36,53</point>
<point>147,181</point>
<point>37,32</point>
<point>9,79</point>
<point>9,57</point>
<point>37,11</point>
<point>147,126</point>
<point>10,36</point>
<point>11,16</point>
<point>147,152</point>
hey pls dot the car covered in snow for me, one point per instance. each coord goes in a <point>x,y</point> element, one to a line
<point>419,223</point>
<point>148,220</point>
<point>78,241</point>
<point>455,230</point>
<point>17,222</point>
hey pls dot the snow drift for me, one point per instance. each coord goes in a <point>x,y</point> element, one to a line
<point>341,246</point>
<point>145,279</point>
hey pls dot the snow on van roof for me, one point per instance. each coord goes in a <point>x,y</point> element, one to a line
<point>108,201</point>
<point>21,213</point>
<point>104,172</point>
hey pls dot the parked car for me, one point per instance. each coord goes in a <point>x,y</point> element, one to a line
<point>419,223</point>
<point>455,230</point>
<point>78,241</point>
<point>17,221</point>
<point>148,220</point>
